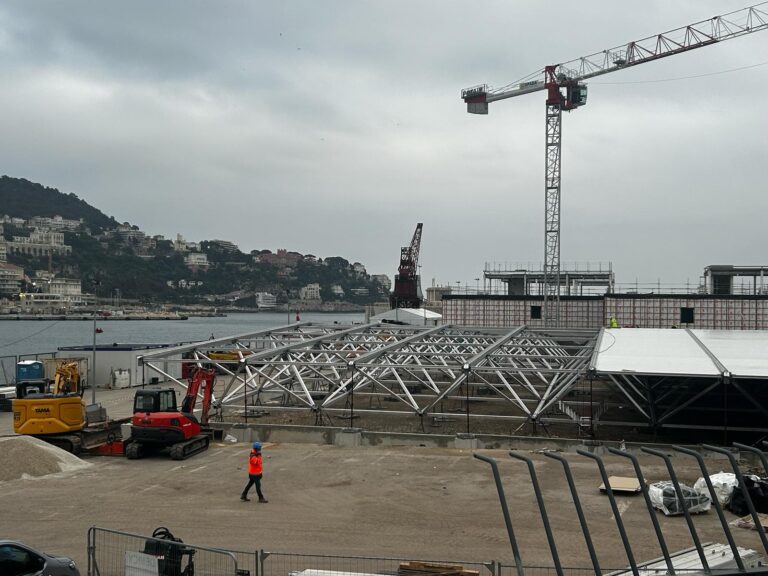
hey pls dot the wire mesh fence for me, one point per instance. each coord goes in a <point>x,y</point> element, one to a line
<point>113,553</point>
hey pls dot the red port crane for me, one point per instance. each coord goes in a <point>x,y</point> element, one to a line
<point>407,292</point>
<point>566,91</point>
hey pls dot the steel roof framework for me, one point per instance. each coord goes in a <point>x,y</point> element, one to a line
<point>321,367</point>
<point>664,373</point>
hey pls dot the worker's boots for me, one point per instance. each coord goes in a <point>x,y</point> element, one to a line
<point>263,500</point>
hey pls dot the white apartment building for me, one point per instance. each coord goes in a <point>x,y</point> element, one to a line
<point>310,292</point>
<point>196,260</point>
<point>10,278</point>
<point>265,301</point>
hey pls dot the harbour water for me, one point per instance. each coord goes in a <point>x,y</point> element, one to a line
<point>26,337</point>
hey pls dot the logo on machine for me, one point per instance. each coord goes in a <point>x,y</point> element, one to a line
<point>42,410</point>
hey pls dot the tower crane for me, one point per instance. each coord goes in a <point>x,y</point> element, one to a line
<point>564,84</point>
<point>407,293</point>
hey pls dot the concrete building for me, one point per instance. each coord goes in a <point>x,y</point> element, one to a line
<point>3,250</point>
<point>10,278</point>
<point>225,245</point>
<point>39,243</point>
<point>265,301</point>
<point>310,292</point>
<point>63,286</point>
<point>55,223</point>
<point>708,311</point>
<point>196,260</point>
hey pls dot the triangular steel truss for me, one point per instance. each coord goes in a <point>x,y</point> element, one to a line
<point>319,367</point>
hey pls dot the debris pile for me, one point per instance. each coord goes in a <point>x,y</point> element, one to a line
<point>414,568</point>
<point>28,457</point>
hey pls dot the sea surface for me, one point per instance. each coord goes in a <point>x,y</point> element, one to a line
<point>30,337</point>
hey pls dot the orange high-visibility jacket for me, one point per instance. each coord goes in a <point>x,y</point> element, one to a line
<point>254,464</point>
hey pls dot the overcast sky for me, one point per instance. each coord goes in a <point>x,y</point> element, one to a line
<point>333,127</point>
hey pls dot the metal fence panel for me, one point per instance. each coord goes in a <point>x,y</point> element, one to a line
<point>110,550</point>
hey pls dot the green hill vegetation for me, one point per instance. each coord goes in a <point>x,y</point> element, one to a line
<point>110,260</point>
<point>24,199</point>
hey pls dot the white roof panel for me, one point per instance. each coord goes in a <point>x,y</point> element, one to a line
<point>414,316</point>
<point>744,353</point>
<point>652,351</point>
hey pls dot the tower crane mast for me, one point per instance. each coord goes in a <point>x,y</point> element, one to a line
<point>564,84</point>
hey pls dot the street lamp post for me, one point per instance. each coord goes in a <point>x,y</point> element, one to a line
<point>93,363</point>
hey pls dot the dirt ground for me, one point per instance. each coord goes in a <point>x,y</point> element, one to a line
<point>406,502</point>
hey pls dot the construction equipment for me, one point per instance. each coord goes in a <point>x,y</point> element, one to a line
<point>407,292</point>
<point>171,553</point>
<point>57,413</point>
<point>566,91</point>
<point>159,424</point>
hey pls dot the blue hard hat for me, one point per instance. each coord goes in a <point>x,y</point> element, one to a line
<point>257,445</point>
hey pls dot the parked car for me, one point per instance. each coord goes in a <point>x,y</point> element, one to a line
<point>17,559</point>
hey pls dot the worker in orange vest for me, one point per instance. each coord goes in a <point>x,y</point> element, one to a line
<point>255,471</point>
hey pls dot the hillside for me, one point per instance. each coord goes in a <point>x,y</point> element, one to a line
<point>24,199</point>
<point>111,258</point>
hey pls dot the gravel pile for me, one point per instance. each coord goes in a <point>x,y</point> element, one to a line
<point>28,457</point>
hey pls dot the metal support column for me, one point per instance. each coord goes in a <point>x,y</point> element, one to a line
<point>552,217</point>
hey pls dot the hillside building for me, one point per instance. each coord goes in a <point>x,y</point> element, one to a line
<point>310,292</point>
<point>10,278</point>
<point>196,260</point>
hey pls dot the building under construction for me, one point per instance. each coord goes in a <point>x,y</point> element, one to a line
<point>729,298</point>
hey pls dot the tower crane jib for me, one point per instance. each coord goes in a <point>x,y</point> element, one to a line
<point>566,91</point>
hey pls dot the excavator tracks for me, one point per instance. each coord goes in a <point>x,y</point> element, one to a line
<point>179,451</point>
<point>184,450</point>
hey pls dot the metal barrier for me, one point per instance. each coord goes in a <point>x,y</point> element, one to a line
<point>285,564</point>
<point>112,553</point>
<point>8,370</point>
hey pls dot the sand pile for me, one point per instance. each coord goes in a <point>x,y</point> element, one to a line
<point>25,456</point>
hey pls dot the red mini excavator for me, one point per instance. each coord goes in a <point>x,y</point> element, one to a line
<point>158,424</point>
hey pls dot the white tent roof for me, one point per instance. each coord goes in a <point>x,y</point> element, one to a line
<point>703,353</point>
<point>416,316</point>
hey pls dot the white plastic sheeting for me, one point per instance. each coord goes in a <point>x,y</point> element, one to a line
<point>656,351</point>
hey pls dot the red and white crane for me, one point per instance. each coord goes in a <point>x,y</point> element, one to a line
<point>566,90</point>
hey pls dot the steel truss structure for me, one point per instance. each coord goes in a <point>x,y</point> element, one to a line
<point>323,368</point>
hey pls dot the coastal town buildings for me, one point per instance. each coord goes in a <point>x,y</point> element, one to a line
<point>10,278</point>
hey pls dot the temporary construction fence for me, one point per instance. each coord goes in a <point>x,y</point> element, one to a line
<point>113,553</point>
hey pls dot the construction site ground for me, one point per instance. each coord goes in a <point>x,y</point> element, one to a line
<point>409,502</point>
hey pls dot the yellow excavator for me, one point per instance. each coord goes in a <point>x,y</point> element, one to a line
<point>58,416</point>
